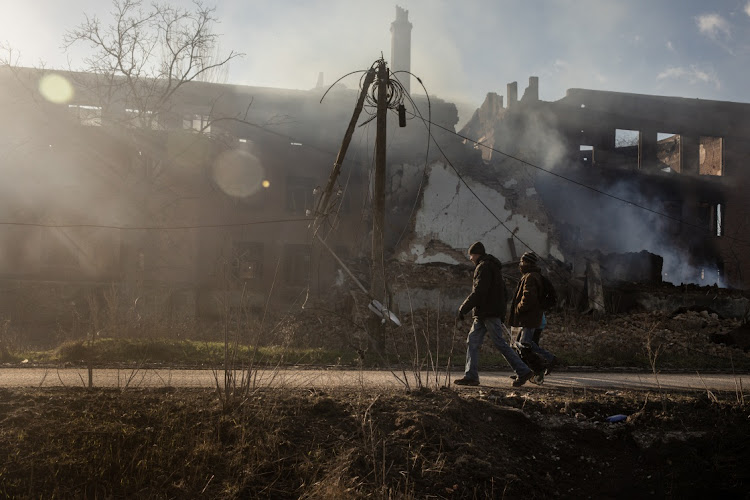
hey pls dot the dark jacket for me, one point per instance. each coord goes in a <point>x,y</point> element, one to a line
<point>525,310</point>
<point>487,296</point>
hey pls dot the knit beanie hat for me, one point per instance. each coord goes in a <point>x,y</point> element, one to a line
<point>530,258</point>
<point>477,248</point>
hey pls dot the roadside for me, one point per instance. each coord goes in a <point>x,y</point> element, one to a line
<point>482,442</point>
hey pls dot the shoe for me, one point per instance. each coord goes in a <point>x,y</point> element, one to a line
<point>555,363</point>
<point>466,381</point>
<point>513,377</point>
<point>538,379</point>
<point>522,379</point>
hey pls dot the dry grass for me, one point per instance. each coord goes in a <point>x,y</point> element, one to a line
<point>79,443</point>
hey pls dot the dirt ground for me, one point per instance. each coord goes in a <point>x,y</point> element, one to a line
<point>445,443</point>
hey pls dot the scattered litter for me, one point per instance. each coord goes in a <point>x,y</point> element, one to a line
<point>616,418</point>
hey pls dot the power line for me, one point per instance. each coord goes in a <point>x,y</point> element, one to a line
<point>592,188</point>
<point>564,278</point>
<point>153,228</point>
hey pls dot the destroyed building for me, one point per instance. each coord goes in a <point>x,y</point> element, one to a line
<point>601,172</point>
<point>214,194</point>
<point>206,206</point>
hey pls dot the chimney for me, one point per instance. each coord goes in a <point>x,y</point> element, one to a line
<point>401,46</point>
<point>512,94</point>
<point>532,91</point>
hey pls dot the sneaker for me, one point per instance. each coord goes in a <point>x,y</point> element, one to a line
<point>522,379</point>
<point>538,379</point>
<point>466,381</point>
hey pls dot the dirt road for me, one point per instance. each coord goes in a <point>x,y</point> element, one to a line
<point>319,378</point>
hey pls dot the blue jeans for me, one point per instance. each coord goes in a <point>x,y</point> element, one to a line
<point>527,337</point>
<point>474,342</point>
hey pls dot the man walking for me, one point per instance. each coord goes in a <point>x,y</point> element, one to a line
<point>487,299</point>
<point>526,309</point>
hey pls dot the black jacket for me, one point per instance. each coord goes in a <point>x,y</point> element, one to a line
<point>487,296</point>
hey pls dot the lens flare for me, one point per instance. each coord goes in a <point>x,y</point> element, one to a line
<point>266,184</point>
<point>56,88</point>
<point>238,173</point>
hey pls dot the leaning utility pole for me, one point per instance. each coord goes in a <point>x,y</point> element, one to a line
<point>322,207</point>
<point>377,283</point>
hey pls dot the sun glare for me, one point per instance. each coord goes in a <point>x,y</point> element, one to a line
<point>238,173</point>
<point>56,88</point>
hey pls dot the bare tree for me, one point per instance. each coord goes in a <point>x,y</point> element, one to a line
<point>142,58</point>
<point>144,55</point>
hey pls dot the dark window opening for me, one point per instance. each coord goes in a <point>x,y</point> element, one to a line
<point>296,264</point>
<point>711,216</point>
<point>59,250</point>
<point>247,261</point>
<point>299,194</point>
<point>673,209</point>
<point>586,155</point>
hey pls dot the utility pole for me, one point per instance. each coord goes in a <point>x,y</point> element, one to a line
<point>322,207</point>
<point>377,283</point>
<point>377,78</point>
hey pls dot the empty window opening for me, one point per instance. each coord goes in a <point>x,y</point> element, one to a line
<point>626,138</point>
<point>719,219</point>
<point>668,151</point>
<point>711,216</point>
<point>296,264</point>
<point>299,194</point>
<point>90,116</point>
<point>142,118</point>
<point>625,154</point>
<point>711,155</point>
<point>199,123</point>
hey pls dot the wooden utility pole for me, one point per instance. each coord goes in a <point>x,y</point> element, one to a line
<point>377,284</point>
<point>322,208</point>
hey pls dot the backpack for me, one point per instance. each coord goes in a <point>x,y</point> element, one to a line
<point>548,295</point>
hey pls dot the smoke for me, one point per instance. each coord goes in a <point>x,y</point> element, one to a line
<point>603,223</point>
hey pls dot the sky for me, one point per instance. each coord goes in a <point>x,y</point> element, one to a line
<point>461,49</point>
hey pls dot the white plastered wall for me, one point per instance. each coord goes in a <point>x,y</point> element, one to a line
<point>451,215</point>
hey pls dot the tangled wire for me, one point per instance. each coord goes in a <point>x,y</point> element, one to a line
<point>394,94</point>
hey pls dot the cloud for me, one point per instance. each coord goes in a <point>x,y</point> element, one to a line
<point>747,9</point>
<point>670,46</point>
<point>713,26</point>
<point>692,74</point>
